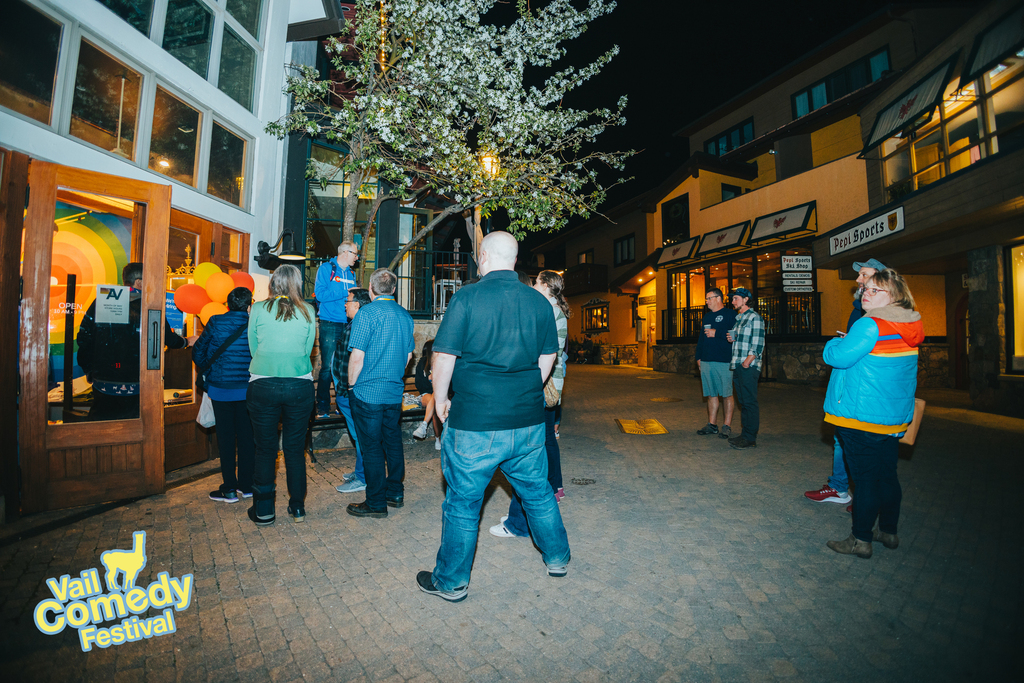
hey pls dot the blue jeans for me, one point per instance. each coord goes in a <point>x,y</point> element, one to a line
<point>516,522</point>
<point>468,461</point>
<point>872,459</point>
<point>346,411</point>
<point>839,481</point>
<point>745,383</point>
<point>329,332</point>
<point>380,438</point>
<point>290,401</point>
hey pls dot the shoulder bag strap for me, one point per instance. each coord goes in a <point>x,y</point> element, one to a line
<point>228,342</point>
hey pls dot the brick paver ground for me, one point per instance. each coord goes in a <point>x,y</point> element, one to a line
<point>691,562</point>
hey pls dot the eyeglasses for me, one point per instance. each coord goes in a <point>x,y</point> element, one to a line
<point>349,251</point>
<point>712,296</point>
<point>875,290</point>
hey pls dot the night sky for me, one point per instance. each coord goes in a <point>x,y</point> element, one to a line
<point>680,59</point>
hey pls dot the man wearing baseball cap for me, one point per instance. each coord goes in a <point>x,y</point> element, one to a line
<point>747,337</point>
<point>836,489</point>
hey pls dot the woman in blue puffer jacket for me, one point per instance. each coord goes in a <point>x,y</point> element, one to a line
<point>870,400</point>
<point>227,381</point>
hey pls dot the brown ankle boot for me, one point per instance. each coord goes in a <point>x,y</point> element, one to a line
<point>851,546</point>
<point>890,541</point>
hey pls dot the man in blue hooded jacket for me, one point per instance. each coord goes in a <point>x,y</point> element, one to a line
<point>333,280</point>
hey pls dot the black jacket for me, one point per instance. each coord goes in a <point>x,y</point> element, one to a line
<point>110,352</point>
<point>231,369</point>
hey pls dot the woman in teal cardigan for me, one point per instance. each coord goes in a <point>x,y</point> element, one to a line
<point>281,334</point>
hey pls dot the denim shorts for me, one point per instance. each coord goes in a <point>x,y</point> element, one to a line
<point>716,378</point>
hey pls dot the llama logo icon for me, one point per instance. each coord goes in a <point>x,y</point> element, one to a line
<point>128,563</point>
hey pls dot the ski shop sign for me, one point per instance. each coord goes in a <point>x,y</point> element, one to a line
<point>82,604</point>
<point>875,229</point>
<point>797,274</point>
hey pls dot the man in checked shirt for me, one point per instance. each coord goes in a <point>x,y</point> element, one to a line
<point>747,336</point>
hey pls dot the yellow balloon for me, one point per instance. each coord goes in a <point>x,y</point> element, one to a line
<point>211,309</point>
<point>203,272</point>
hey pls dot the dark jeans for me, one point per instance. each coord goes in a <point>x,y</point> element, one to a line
<point>516,522</point>
<point>380,439</point>
<point>744,382</point>
<point>872,461</point>
<point>234,432</point>
<point>329,333</point>
<point>288,400</point>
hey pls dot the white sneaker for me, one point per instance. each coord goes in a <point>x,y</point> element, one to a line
<point>421,432</point>
<point>437,444</point>
<point>500,531</point>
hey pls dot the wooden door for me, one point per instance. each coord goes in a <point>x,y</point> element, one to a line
<point>80,228</point>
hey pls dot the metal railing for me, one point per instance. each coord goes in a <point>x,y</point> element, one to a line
<point>428,279</point>
<point>787,315</point>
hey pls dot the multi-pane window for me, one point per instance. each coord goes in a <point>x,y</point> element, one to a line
<point>625,250</point>
<point>731,139</point>
<point>227,165</point>
<point>174,144</point>
<point>585,256</point>
<point>843,82</point>
<point>29,47</point>
<point>982,118</point>
<point>675,220</point>
<point>105,108</point>
<point>730,191</point>
<point>595,317</point>
<point>247,12</point>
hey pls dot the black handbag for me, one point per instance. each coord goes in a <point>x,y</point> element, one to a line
<point>201,371</point>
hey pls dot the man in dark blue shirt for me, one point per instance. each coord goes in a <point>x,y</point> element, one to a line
<point>714,352</point>
<point>382,344</point>
<point>496,346</point>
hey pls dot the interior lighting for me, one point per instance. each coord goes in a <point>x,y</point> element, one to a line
<point>164,163</point>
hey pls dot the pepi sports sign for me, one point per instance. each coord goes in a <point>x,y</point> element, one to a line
<point>869,231</point>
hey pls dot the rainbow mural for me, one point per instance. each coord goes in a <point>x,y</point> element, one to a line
<point>95,248</point>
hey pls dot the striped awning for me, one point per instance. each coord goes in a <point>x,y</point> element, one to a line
<point>912,106</point>
<point>997,42</point>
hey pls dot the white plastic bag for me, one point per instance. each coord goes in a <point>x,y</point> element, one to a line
<point>205,417</point>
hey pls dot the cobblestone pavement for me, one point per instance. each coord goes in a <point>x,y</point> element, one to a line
<point>691,562</point>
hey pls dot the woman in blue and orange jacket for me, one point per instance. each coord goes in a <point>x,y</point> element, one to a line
<point>870,400</point>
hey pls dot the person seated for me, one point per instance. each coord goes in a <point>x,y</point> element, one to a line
<point>426,388</point>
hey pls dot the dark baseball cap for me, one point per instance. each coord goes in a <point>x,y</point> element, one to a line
<point>870,263</point>
<point>741,291</point>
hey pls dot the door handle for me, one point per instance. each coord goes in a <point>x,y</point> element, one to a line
<point>155,342</point>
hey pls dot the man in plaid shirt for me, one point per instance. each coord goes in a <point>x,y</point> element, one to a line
<point>747,336</point>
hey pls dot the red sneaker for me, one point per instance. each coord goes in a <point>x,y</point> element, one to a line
<point>827,494</point>
<point>849,508</point>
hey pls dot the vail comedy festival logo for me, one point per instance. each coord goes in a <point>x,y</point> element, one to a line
<point>82,604</point>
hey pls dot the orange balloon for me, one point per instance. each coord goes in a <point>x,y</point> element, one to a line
<point>190,298</point>
<point>203,272</point>
<point>243,279</point>
<point>218,286</point>
<point>211,309</point>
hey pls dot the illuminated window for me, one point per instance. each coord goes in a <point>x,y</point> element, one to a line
<point>595,316</point>
<point>105,109</point>
<point>1016,268</point>
<point>175,138</point>
<point>585,256</point>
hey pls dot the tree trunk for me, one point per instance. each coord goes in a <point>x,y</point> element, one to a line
<point>348,223</point>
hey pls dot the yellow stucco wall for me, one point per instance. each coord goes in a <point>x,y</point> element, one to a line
<point>836,141</point>
<point>620,319</point>
<point>837,301</point>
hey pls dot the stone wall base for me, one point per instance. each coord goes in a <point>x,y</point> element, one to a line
<point>802,363</point>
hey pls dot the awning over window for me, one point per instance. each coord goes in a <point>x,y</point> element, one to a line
<point>782,223</point>
<point>677,252</point>
<point>1003,38</point>
<point>920,100</point>
<point>723,239</point>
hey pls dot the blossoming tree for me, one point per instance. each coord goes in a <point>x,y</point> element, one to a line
<point>436,98</point>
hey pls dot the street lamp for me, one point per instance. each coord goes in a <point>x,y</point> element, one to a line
<point>286,248</point>
<point>489,162</point>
